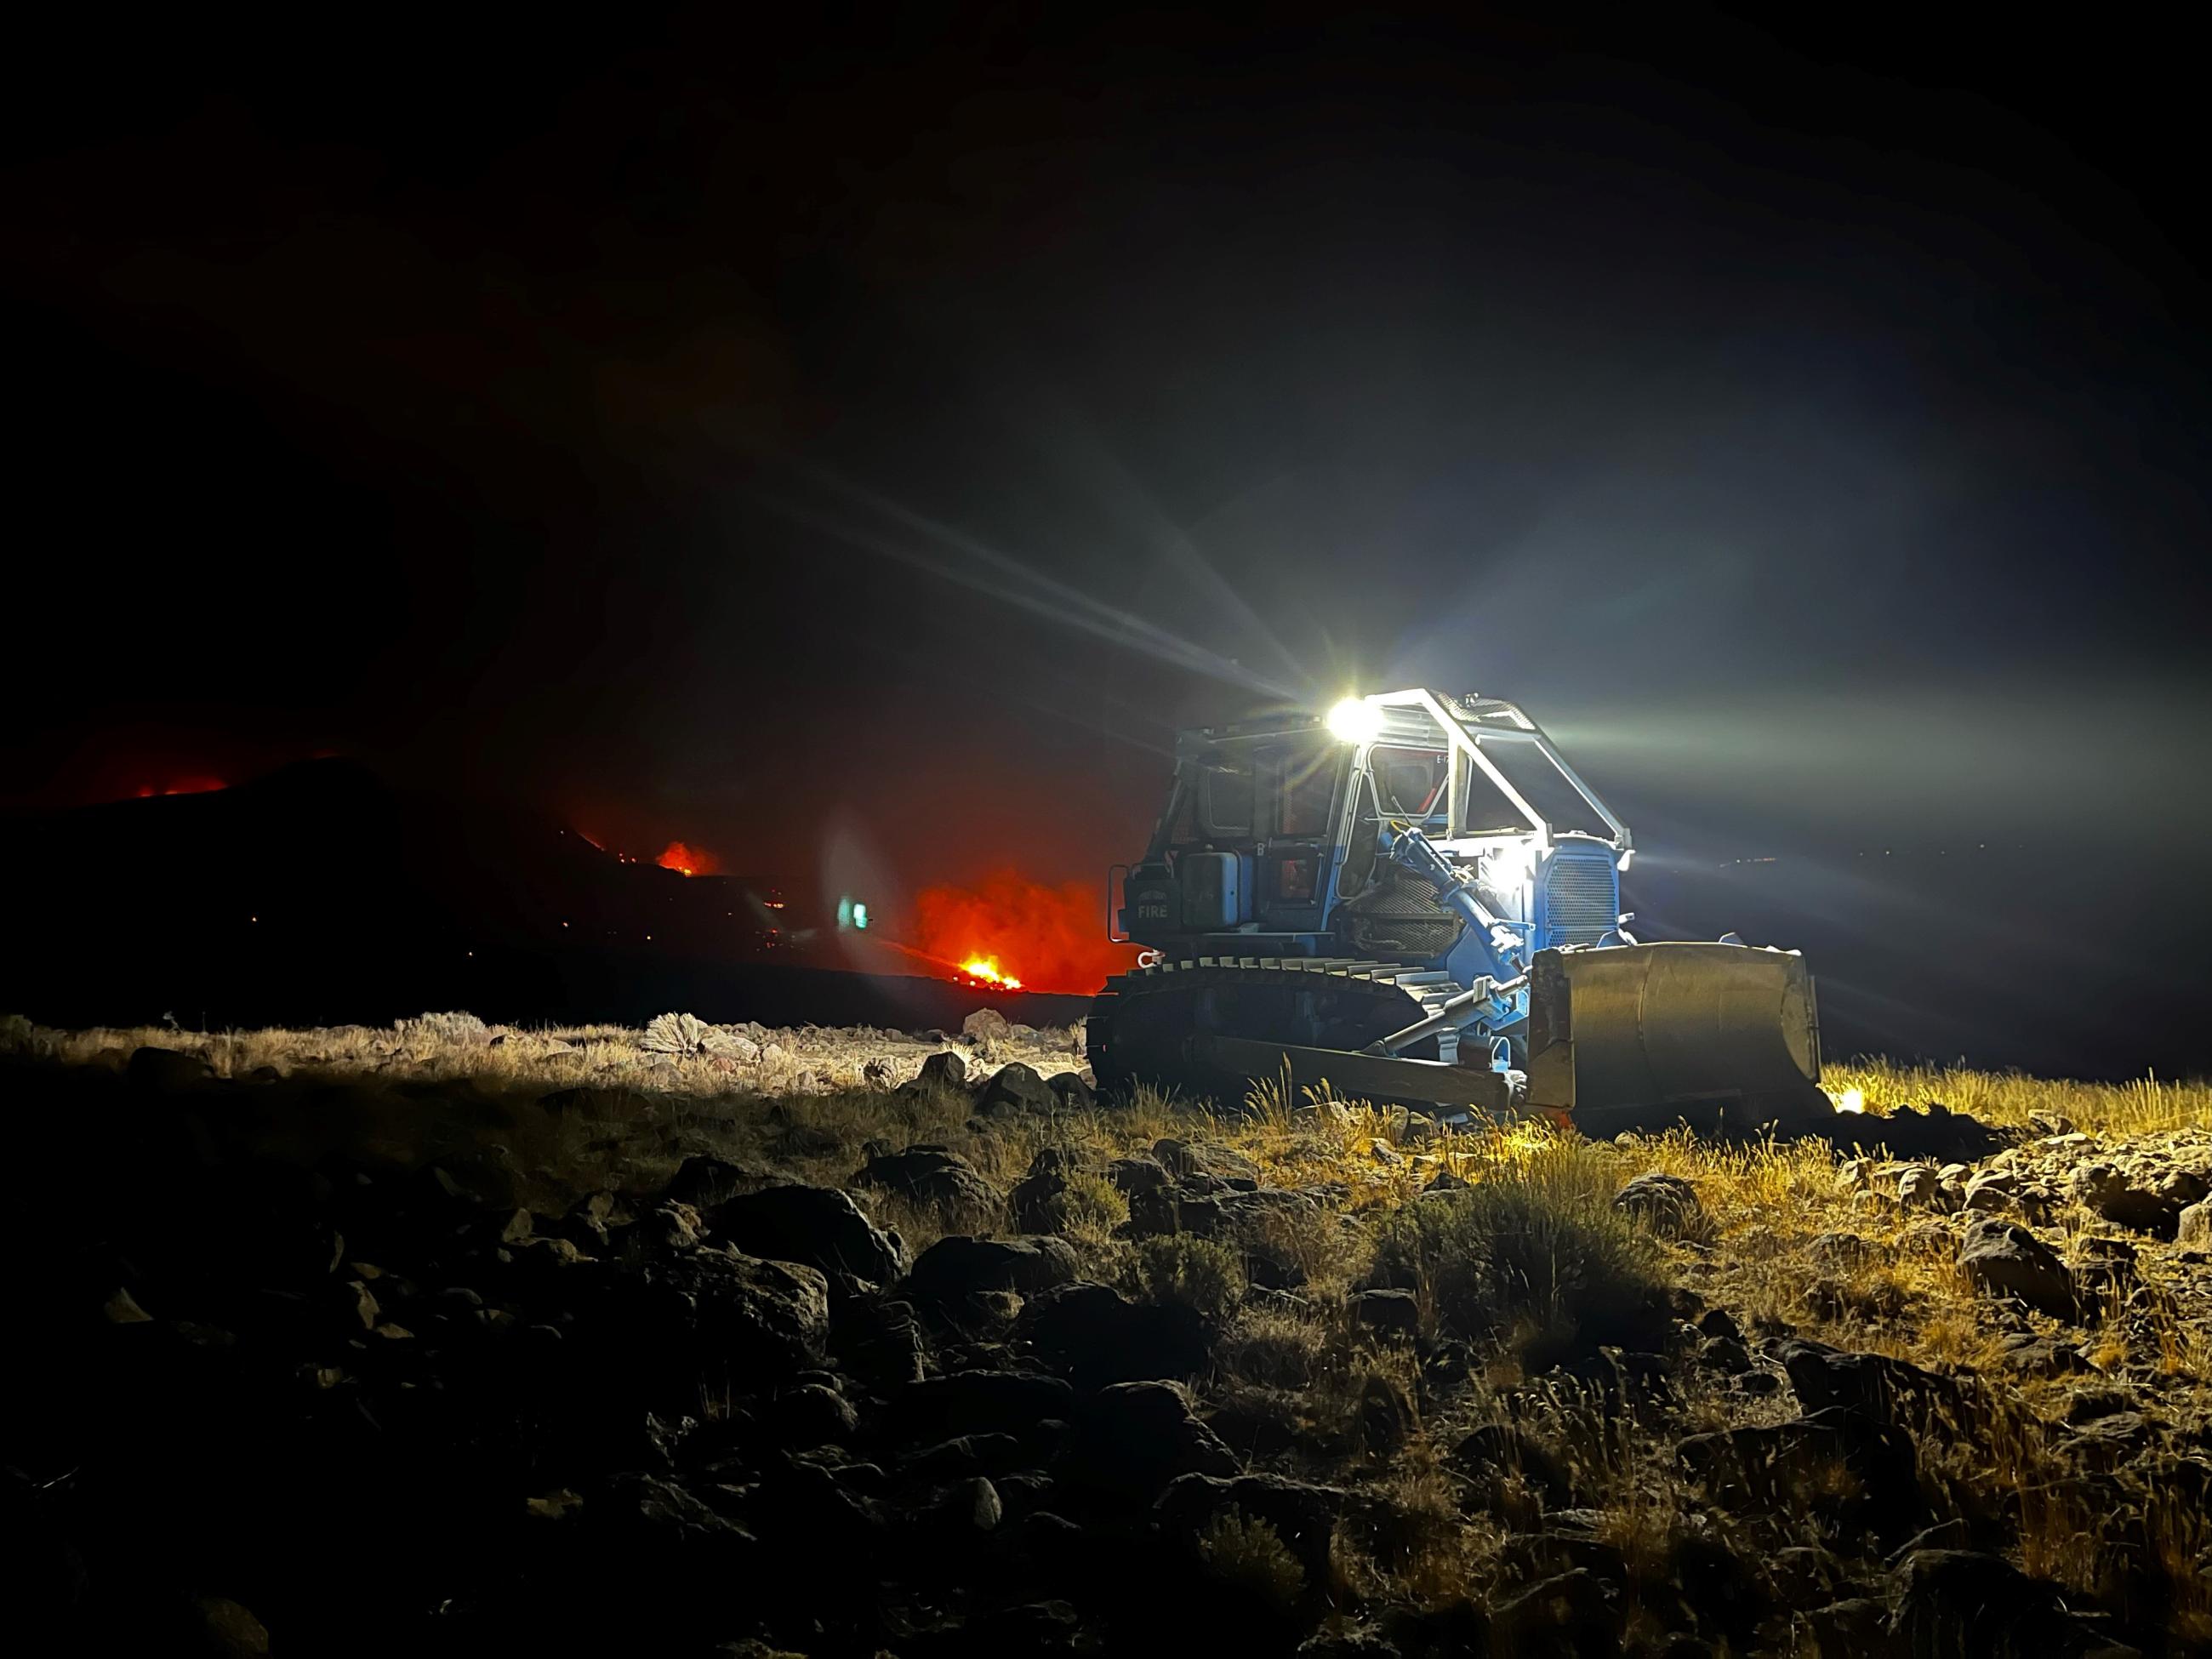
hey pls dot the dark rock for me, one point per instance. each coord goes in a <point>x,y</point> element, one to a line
<point>967,1454</point>
<point>1872,1384</point>
<point>935,1178</point>
<point>1096,1336</point>
<point>1071,1090</point>
<point>1185,1158</point>
<point>1303,1515</point>
<point>2110,1195</point>
<point>1719,1322</point>
<point>1389,1313</point>
<point>708,1183</point>
<point>879,1342</point>
<point>1947,1601</point>
<point>2004,1259</point>
<point>1132,1439</point>
<point>1034,1203</point>
<point>1134,1176</point>
<point>812,1415</point>
<point>169,1071</point>
<point>1665,1204</point>
<point>958,1266</point>
<point>819,1226</point>
<point>1854,1468</point>
<point>1494,1453</point>
<point>976,1402</point>
<point>943,1070</point>
<point>1724,1353</point>
<point>2033,1355</point>
<point>715,1313</point>
<point>1015,1088</point>
<point>1575,1612</point>
<point>1857,1624</point>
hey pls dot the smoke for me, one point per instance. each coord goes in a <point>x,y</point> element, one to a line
<point>687,860</point>
<point>1051,938</point>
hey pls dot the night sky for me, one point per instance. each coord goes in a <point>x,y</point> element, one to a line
<point>852,443</point>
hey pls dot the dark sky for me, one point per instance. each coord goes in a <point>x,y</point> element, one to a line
<point>855,440</point>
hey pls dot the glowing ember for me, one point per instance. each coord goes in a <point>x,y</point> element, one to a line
<point>687,860</point>
<point>985,970</point>
<point>187,786</point>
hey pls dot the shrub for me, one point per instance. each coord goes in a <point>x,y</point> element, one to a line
<point>682,1034</point>
<point>460,1028</point>
<point>1532,1256</point>
<point>1201,1274</point>
<point>1249,1558</point>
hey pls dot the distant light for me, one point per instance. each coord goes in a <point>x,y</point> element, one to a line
<point>1355,721</point>
<point>860,915</point>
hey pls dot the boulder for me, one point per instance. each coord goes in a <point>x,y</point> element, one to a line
<point>1097,1337</point>
<point>1665,1204</point>
<point>1138,1175</point>
<point>169,1071</point>
<point>934,1177</point>
<point>938,1408</point>
<point>986,1024</point>
<point>1948,1601</point>
<point>2110,1194</point>
<point>2004,1259</point>
<point>1391,1313</point>
<point>2193,1227</point>
<point>1013,1089</point>
<point>943,1070</point>
<point>1873,1384</point>
<point>707,1183</point>
<point>1130,1440</point>
<point>712,1312</point>
<point>1186,1157</point>
<point>1853,1468</point>
<point>1073,1090</point>
<point>956,1265</point>
<point>820,1226</point>
<point>1034,1202</point>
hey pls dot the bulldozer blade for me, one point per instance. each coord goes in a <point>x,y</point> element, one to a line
<point>1620,1037</point>
<point>1379,1077</point>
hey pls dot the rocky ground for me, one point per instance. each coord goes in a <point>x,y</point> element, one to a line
<point>724,1341</point>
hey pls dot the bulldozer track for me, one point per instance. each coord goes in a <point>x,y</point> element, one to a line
<point>1139,1022</point>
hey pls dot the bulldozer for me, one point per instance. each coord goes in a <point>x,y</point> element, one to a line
<point>1415,899</point>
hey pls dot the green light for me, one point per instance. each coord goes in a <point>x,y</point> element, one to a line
<point>860,915</point>
<point>845,912</point>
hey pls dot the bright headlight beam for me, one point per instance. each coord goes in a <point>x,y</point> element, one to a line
<point>1355,721</point>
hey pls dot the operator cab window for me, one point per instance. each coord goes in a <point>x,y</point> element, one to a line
<point>1409,783</point>
<point>1224,797</point>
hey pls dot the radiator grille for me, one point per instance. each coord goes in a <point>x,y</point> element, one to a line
<point>1582,896</point>
<point>1399,916</point>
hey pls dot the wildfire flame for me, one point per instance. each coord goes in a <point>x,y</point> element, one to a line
<point>1057,932</point>
<point>686,860</point>
<point>985,970</point>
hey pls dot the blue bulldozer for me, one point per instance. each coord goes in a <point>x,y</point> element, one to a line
<point>1415,898</point>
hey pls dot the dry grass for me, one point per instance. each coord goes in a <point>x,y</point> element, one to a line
<point>1787,1243</point>
<point>2146,1105</point>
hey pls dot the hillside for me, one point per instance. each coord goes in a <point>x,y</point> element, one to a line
<point>848,1341</point>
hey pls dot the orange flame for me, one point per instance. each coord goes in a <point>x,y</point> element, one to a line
<point>687,860</point>
<point>199,785</point>
<point>1058,934</point>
